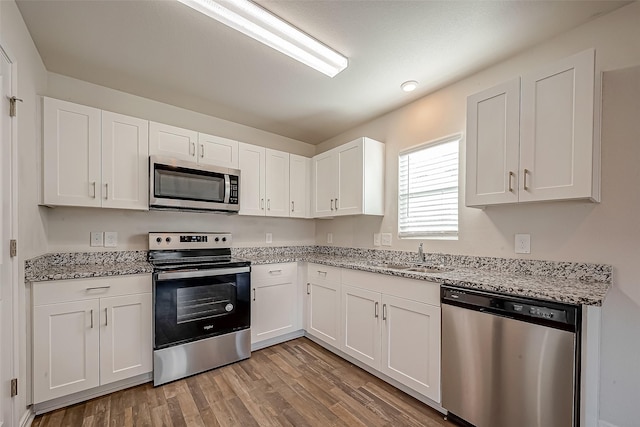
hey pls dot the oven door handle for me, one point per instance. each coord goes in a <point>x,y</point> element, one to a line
<point>201,273</point>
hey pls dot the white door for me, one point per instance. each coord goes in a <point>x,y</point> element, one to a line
<point>217,151</point>
<point>71,135</point>
<point>8,292</point>
<point>556,133</point>
<point>66,346</point>
<point>299,186</point>
<point>411,344</point>
<point>324,181</point>
<point>277,182</point>
<point>252,179</point>
<point>274,309</point>
<point>493,145</point>
<point>125,162</point>
<point>173,142</point>
<point>350,177</point>
<point>361,325</point>
<point>323,311</point>
<point>125,337</point>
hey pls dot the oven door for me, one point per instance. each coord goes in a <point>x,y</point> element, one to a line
<point>175,184</point>
<point>192,305</point>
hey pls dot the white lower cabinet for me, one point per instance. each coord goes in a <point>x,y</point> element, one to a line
<point>361,324</point>
<point>274,301</point>
<point>323,303</point>
<point>88,333</point>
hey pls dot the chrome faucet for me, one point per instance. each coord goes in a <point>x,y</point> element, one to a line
<point>421,256</point>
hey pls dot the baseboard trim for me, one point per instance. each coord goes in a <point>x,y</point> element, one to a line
<point>277,340</point>
<point>72,399</point>
<point>378,374</point>
<point>27,418</point>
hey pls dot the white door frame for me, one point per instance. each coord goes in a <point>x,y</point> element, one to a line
<point>12,263</point>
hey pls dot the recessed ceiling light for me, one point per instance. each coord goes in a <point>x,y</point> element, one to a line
<point>409,86</point>
<point>263,26</point>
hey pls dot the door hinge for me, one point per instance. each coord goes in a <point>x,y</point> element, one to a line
<point>13,247</point>
<point>14,387</point>
<point>12,105</point>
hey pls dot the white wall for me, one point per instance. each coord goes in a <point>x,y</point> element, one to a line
<point>31,79</point>
<point>608,232</point>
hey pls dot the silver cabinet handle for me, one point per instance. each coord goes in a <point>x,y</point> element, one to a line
<point>106,191</point>
<point>331,204</point>
<point>308,290</point>
<point>202,151</point>
<point>375,313</point>
<point>193,148</point>
<point>275,271</point>
<point>93,185</point>
<point>262,204</point>
<point>97,287</point>
<point>268,204</point>
<point>322,272</point>
<point>254,294</point>
<point>524,176</point>
<point>510,181</point>
<point>336,203</point>
<point>91,318</point>
<point>292,209</point>
<point>384,311</point>
<point>106,316</point>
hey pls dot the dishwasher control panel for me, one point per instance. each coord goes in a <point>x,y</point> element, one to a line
<point>535,311</point>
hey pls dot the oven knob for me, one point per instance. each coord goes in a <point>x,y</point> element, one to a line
<point>217,239</point>
<point>159,239</point>
<point>168,239</point>
<point>224,239</point>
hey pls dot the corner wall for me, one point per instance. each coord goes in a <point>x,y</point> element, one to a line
<point>608,232</point>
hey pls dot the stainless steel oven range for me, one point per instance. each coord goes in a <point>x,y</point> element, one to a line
<point>201,304</point>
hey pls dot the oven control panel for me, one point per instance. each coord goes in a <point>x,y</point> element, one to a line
<point>175,241</point>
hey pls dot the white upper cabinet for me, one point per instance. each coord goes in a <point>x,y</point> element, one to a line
<point>493,139</point>
<point>94,158</point>
<point>264,181</point>
<point>349,180</point>
<point>532,139</point>
<point>174,142</point>
<point>299,186</point>
<point>217,151</point>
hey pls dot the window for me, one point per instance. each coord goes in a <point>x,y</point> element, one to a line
<point>428,190</point>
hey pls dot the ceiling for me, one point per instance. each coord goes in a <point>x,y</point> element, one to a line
<point>162,50</point>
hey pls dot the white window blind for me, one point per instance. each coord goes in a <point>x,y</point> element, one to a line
<point>428,190</point>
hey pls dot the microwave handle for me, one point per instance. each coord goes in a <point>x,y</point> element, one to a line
<point>227,188</point>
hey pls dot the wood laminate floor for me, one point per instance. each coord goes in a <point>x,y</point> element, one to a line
<point>297,383</point>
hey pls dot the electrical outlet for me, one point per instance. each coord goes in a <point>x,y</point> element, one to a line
<point>386,239</point>
<point>329,237</point>
<point>376,239</point>
<point>97,238</point>
<point>110,239</point>
<point>269,238</point>
<point>523,243</point>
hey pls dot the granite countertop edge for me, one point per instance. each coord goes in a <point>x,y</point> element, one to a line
<point>85,271</point>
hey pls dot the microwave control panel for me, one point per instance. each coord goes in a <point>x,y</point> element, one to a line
<point>233,197</point>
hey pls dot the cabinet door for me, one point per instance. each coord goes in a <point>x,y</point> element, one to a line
<point>65,349</point>
<point>361,325</point>
<point>411,344</point>
<point>277,183</point>
<point>171,141</point>
<point>350,175</point>
<point>493,141</point>
<point>125,162</point>
<point>323,311</point>
<point>71,153</point>
<point>125,337</point>
<point>324,182</point>
<point>252,179</point>
<point>274,308</point>
<point>299,186</point>
<point>556,134</point>
<point>217,151</point>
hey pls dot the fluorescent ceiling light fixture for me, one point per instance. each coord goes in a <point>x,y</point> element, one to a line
<point>409,86</point>
<point>256,22</point>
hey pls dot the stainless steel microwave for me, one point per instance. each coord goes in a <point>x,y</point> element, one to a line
<point>180,185</point>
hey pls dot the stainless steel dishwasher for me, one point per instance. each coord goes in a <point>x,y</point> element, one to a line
<point>509,361</point>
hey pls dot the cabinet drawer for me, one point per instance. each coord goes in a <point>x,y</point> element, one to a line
<point>321,274</point>
<point>269,271</point>
<point>82,289</point>
<point>423,291</point>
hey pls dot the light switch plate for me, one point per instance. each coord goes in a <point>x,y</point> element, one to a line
<point>523,243</point>
<point>110,239</point>
<point>268,238</point>
<point>97,238</point>
<point>386,239</point>
<point>329,237</point>
<point>376,239</point>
